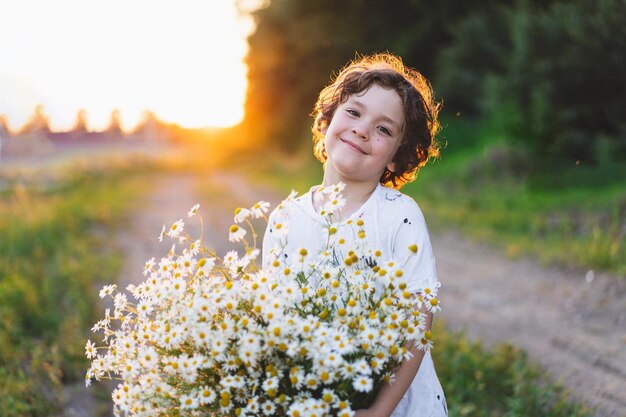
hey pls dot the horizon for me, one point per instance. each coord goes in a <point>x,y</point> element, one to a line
<point>184,64</point>
<point>147,116</point>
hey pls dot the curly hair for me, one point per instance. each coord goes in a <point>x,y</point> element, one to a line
<point>418,142</point>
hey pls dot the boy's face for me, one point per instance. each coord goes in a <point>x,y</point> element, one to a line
<point>364,135</point>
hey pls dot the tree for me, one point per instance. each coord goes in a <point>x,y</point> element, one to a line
<point>81,124</point>
<point>115,123</point>
<point>566,79</point>
<point>38,123</point>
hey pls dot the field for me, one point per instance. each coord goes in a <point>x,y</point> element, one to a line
<point>60,241</point>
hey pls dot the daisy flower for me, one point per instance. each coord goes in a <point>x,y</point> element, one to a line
<point>259,209</point>
<point>363,384</point>
<point>296,377</point>
<point>148,357</point>
<point>231,258</point>
<point>433,305</point>
<point>149,266</point>
<point>348,370</point>
<point>270,383</point>
<point>334,360</point>
<point>107,290</point>
<point>346,412</point>
<point>268,408</point>
<point>205,266</point>
<point>363,367</point>
<point>144,308</point>
<point>205,395</point>
<point>120,302</point>
<point>187,264</point>
<point>279,228</point>
<point>193,211</point>
<point>130,369</point>
<point>194,247</point>
<point>425,343</point>
<point>291,289</point>
<point>236,233</point>
<point>292,196</point>
<point>165,267</point>
<point>296,410</point>
<point>176,229</point>
<point>90,350</point>
<point>334,204</point>
<point>329,396</point>
<point>188,402</point>
<point>241,214</point>
<point>320,193</point>
<point>311,381</point>
<point>101,325</point>
<point>338,188</point>
<point>253,406</point>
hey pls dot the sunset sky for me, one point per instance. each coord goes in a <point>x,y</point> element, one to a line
<point>182,60</point>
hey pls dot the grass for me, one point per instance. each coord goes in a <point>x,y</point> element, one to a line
<point>54,255</point>
<point>481,382</point>
<point>566,214</point>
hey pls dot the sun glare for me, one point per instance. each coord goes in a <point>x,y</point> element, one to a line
<point>181,60</point>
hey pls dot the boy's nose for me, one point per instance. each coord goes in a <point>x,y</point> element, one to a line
<point>360,132</point>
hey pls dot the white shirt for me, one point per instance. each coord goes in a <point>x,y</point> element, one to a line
<point>393,222</point>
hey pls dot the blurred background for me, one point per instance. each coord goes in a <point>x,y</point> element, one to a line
<point>116,117</point>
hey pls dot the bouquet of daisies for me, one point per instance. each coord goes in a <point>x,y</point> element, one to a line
<point>218,335</point>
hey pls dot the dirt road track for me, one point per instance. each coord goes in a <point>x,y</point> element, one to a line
<point>573,322</point>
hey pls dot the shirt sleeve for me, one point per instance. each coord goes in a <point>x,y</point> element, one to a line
<point>412,247</point>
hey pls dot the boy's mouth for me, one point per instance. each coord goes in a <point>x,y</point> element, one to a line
<point>353,145</point>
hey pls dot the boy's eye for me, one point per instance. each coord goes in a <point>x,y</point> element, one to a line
<point>353,112</point>
<point>385,130</point>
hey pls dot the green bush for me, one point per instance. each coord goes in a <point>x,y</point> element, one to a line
<point>557,65</point>
<point>51,263</point>
<point>479,49</point>
<point>566,78</point>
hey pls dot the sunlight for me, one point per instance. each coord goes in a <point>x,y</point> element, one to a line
<point>184,62</point>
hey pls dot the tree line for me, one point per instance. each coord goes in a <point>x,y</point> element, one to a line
<point>554,72</point>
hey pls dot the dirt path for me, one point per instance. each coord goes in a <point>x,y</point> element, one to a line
<point>572,322</point>
<point>171,199</point>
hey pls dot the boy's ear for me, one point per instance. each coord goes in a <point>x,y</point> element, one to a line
<point>391,166</point>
